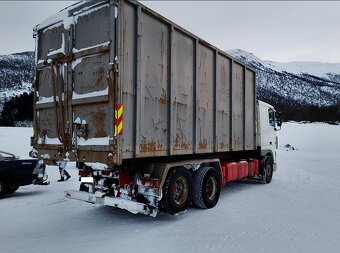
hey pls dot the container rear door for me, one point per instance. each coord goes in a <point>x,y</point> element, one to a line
<point>75,84</point>
<point>92,81</point>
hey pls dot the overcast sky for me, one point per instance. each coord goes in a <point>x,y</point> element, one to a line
<point>279,31</point>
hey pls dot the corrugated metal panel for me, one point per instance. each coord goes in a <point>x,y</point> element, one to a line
<point>223,96</point>
<point>237,107</point>
<point>152,113</point>
<point>90,74</point>
<point>96,116</point>
<point>92,96</point>
<point>128,78</point>
<point>50,39</point>
<point>182,97</point>
<point>92,28</point>
<point>45,82</point>
<point>47,122</point>
<point>204,100</point>
<point>249,110</point>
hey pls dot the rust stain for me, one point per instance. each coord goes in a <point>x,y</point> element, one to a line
<point>203,144</point>
<point>48,122</point>
<point>149,147</point>
<point>163,99</point>
<point>222,145</point>
<point>100,74</point>
<point>99,123</point>
<point>179,144</point>
<point>236,142</point>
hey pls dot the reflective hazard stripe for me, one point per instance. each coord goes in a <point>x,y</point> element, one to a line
<point>119,119</point>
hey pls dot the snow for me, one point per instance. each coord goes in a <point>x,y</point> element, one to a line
<point>16,141</point>
<point>59,50</point>
<point>297,212</point>
<point>58,17</point>
<point>45,100</point>
<point>52,141</point>
<point>77,121</point>
<point>76,62</point>
<point>63,16</point>
<point>88,10</point>
<point>97,166</point>
<point>104,44</point>
<point>93,141</point>
<point>320,69</point>
<point>90,94</point>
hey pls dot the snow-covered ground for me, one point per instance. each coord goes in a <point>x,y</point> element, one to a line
<point>298,212</point>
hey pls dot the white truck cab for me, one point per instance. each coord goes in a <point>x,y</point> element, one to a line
<point>268,122</point>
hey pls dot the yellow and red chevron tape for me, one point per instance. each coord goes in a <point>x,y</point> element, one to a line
<point>119,119</point>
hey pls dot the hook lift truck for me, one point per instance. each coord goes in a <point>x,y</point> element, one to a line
<point>156,117</point>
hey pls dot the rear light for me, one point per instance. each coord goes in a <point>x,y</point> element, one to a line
<point>85,173</point>
<point>150,182</point>
<point>106,173</point>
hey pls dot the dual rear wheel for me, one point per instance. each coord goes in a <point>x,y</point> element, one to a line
<point>181,188</point>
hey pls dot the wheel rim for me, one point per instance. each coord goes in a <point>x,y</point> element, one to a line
<point>268,171</point>
<point>180,190</point>
<point>211,188</point>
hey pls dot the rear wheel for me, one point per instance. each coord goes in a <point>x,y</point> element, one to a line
<point>207,187</point>
<point>86,187</point>
<point>3,188</point>
<point>177,191</point>
<point>13,188</point>
<point>267,173</point>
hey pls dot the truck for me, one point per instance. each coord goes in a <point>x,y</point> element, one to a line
<point>156,118</point>
<point>15,172</point>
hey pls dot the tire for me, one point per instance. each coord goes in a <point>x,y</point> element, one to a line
<point>267,170</point>
<point>207,188</point>
<point>86,187</point>
<point>13,189</point>
<point>177,191</point>
<point>3,187</point>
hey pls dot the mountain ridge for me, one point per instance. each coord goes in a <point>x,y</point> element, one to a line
<point>298,89</point>
<point>298,83</point>
<point>16,75</point>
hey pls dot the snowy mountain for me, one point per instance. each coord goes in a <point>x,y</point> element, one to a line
<point>294,83</point>
<point>16,75</point>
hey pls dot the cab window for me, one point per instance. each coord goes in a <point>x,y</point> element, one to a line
<point>271,114</point>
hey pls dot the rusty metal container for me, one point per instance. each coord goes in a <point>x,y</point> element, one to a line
<point>117,81</point>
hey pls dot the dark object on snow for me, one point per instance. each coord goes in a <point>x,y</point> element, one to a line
<point>15,172</point>
<point>62,171</point>
<point>288,146</point>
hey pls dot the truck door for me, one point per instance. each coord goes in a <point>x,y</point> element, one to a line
<point>75,84</point>
<point>267,127</point>
<point>92,82</point>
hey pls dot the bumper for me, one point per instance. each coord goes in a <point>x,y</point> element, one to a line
<point>129,205</point>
